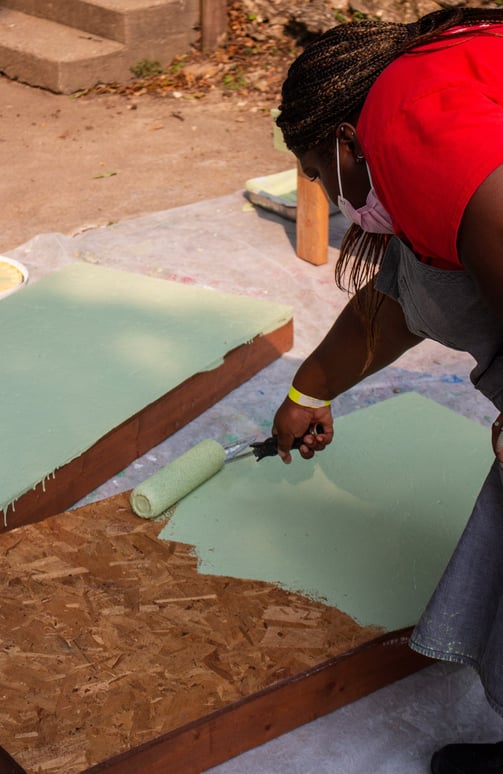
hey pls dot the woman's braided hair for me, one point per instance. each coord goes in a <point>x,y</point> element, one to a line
<point>328,84</point>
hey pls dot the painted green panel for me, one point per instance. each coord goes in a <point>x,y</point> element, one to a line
<point>368,526</point>
<point>87,347</point>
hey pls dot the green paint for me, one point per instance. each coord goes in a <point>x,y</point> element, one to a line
<point>87,347</point>
<point>367,526</point>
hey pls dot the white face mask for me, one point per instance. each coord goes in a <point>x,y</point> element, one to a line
<point>372,217</point>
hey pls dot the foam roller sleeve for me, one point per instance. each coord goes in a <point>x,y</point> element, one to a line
<point>175,480</point>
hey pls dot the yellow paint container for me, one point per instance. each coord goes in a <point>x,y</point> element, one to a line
<point>13,275</point>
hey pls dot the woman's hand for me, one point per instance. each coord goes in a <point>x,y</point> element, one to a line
<point>294,421</point>
<point>339,362</point>
<point>497,438</point>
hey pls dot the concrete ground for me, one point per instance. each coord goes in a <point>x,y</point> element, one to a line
<point>227,244</point>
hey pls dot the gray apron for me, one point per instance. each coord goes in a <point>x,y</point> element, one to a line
<point>463,622</point>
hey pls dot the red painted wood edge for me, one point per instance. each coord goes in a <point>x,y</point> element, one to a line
<point>274,711</point>
<point>8,765</point>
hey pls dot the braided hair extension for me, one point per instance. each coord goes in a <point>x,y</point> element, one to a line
<point>328,84</point>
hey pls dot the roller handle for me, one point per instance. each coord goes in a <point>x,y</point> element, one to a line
<point>269,447</point>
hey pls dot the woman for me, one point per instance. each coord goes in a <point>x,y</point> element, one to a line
<point>403,125</point>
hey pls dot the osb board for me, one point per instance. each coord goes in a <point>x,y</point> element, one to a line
<point>145,429</point>
<point>112,645</point>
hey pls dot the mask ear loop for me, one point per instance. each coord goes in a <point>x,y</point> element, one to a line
<point>339,179</point>
<point>338,168</point>
<point>370,176</point>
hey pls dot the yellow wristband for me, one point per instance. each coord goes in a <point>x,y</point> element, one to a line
<point>306,400</point>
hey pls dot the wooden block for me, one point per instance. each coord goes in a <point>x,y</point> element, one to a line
<point>213,23</point>
<point>312,220</point>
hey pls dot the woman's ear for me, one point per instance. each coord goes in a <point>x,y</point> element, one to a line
<point>347,136</point>
<point>345,132</point>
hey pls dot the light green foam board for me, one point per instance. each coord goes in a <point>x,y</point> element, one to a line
<point>88,347</point>
<point>278,193</point>
<point>367,526</point>
<point>280,187</point>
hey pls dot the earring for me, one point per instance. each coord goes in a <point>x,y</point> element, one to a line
<point>359,158</point>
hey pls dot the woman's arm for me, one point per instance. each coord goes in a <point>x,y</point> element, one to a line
<point>480,249</point>
<point>480,239</point>
<point>338,363</point>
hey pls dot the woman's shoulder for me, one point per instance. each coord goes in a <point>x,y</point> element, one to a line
<point>421,130</point>
<point>471,63</point>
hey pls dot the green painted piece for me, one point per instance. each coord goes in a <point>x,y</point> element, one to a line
<point>88,347</point>
<point>368,526</point>
<point>280,187</point>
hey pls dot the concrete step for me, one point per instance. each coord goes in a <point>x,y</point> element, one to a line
<point>53,56</point>
<point>66,45</point>
<point>126,21</point>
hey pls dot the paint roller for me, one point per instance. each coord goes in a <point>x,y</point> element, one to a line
<point>176,479</point>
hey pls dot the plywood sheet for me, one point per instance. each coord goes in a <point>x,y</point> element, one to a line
<point>368,526</point>
<point>111,640</point>
<point>88,347</point>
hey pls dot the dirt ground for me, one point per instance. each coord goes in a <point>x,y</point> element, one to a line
<point>74,163</point>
